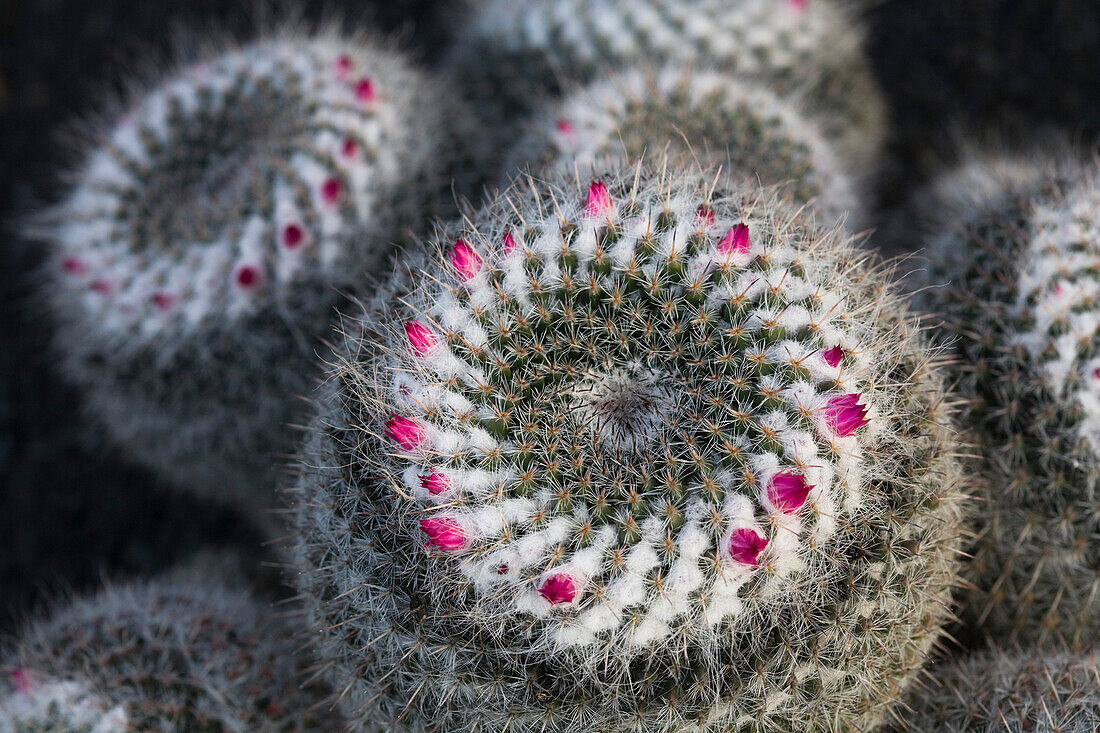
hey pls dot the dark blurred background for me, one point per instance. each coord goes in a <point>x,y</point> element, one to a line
<point>72,512</point>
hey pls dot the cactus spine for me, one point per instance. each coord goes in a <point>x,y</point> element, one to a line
<point>648,455</point>
<point>197,258</point>
<point>1015,277</point>
<point>811,48</point>
<point>189,651</point>
<point>1023,691</point>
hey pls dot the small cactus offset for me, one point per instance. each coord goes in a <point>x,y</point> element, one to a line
<point>197,259</point>
<point>1016,276</point>
<point>648,455</point>
<point>512,54</point>
<point>189,651</point>
<point>690,115</point>
<point>1028,691</point>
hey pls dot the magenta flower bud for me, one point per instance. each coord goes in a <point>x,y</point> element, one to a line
<point>364,91</point>
<point>799,5</point>
<point>466,261</point>
<point>421,338</point>
<point>845,415</point>
<point>746,545</point>
<point>509,243</point>
<point>23,679</point>
<point>444,533</point>
<point>559,588</point>
<point>736,241</point>
<point>833,356</point>
<point>599,200</point>
<point>704,216</point>
<point>405,432</point>
<point>435,483</point>
<point>343,66</point>
<point>788,491</point>
<point>564,126</point>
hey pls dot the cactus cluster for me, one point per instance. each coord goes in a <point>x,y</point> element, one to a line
<point>694,116</point>
<point>1015,252</point>
<point>188,651</point>
<point>650,454</point>
<point>198,256</point>
<point>1022,691</point>
<point>514,54</point>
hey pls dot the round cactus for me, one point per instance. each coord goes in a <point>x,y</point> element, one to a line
<point>197,259</point>
<point>650,455</point>
<point>512,54</point>
<point>1015,256</point>
<point>189,651</point>
<point>710,116</point>
<point>1027,691</point>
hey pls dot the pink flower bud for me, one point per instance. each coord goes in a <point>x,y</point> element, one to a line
<point>405,432</point>
<point>23,679</point>
<point>435,483</point>
<point>599,201</point>
<point>736,241</point>
<point>444,533</point>
<point>559,588</point>
<point>349,148</point>
<point>799,5</point>
<point>564,126</point>
<point>746,545</point>
<point>845,415</point>
<point>74,266</point>
<point>704,216</point>
<point>101,286</point>
<point>364,90</point>
<point>293,235</point>
<point>509,243</point>
<point>343,66</point>
<point>788,491</point>
<point>163,301</point>
<point>421,338</point>
<point>331,190</point>
<point>466,261</point>
<point>833,356</point>
<point>248,276</point>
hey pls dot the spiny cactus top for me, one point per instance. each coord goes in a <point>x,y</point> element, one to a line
<point>709,116</point>
<point>1016,255</point>
<point>1026,691</point>
<point>199,254</point>
<point>645,455</point>
<point>188,651</point>
<point>513,53</point>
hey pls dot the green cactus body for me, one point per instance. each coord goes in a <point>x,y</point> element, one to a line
<point>512,54</point>
<point>655,456</point>
<point>1025,691</point>
<point>1015,275</point>
<point>689,115</point>
<point>185,652</point>
<point>197,259</point>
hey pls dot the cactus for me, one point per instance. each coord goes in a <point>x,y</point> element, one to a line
<point>198,256</point>
<point>188,651</point>
<point>710,116</point>
<point>1014,275</point>
<point>511,54</point>
<point>1028,691</point>
<point>651,456</point>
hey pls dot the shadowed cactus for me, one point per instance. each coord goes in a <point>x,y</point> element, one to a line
<point>1015,253</point>
<point>197,258</point>
<point>1026,691</point>
<point>189,651</point>
<point>694,116</point>
<point>512,54</point>
<point>649,454</point>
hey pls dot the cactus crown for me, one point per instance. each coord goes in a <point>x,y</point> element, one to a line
<point>712,116</point>
<point>237,176</point>
<point>613,441</point>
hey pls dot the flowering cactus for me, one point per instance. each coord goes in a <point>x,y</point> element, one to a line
<point>1015,255</point>
<point>512,54</point>
<point>650,455</point>
<point>198,257</point>
<point>690,115</point>
<point>185,652</point>
<point>1027,691</point>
